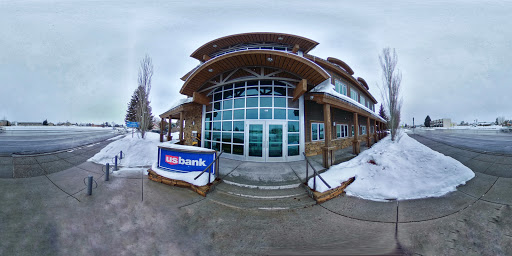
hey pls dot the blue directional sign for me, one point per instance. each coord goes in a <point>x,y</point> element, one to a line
<point>132,124</point>
<point>183,161</point>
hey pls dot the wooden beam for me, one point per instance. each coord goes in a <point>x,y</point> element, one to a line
<point>181,127</point>
<point>368,141</point>
<point>200,98</point>
<point>327,156</point>
<point>295,48</point>
<point>301,88</point>
<point>162,130</point>
<point>355,144</point>
<point>169,130</point>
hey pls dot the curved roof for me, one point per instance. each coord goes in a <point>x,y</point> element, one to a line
<point>342,64</point>
<point>305,44</point>
<point>289,62</point>
<point>340,71</point>
<point>363,82</point>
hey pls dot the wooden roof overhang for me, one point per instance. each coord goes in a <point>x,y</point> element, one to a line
<point>292,63</point>
<point>324,98</point>
<point>213,46</point>
<point>174,113</point>
<point>341,72</point>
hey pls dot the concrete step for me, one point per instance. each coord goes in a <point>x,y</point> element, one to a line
<point>260,192</point>
<point>243,202</point>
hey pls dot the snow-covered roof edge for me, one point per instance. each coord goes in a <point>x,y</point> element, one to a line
<point>180,102</point>
<point>328,88</point>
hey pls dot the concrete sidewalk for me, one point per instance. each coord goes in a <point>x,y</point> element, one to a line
<point>131,215</point>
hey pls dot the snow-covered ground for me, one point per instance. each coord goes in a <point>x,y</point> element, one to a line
<point>492,127</point>
<point>139,152</point>
<point>56,128</point>
<point>403,170</point>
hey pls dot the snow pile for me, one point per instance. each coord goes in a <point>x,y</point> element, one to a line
<point>139,152</point>
<point>403,170</point>
<point>136,151</point>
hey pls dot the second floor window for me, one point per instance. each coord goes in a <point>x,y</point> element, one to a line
<point>340,87</point>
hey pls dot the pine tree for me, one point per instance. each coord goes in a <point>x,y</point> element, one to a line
<point>382,113</point>
<point>131,113</point>
<point>427,121</point>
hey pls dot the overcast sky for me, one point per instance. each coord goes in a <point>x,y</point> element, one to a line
<point>78,60</point>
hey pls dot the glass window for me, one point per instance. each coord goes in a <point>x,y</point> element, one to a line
<point>216,136</point>
<point>252,114</point>
<point>239,84</point>
<point>252,91</point>
<point>228,94</point>
<point>279,113</point>
<point>228,104</point>
<point>314,131</point>
<point>253,82</point>
<point>338,131</point>
<point>264,91</point>
<point>266,82</point>
<point>226,126</point>
<point>293,150</point>
<point>352,131</point>
<point>208,117</point>
<point>216,146</point>
<point>239,103</point>
<point>321,131</point>
<point>354,94</point>
<point>238,114</point>
<point>226,148</point>
<point>265,113</point>
<point>208,135</point>
<point>216,126</point>
<point>293,126</point>
<point>279,91</point>
<point>239,92</point>
<point>280,102</point>
<point>226,137</point>
<point>293,138</point>
<point>252,102</point>
<point>217,96</point>
<point>238,126</point>
<point>227,115</point>
<point>216,106</point>
<point>207,126</point>
<point>266,102</point>
<point>207,144</point>
<point>293,114</point>
<point>238,149</point>
<point>217,116</point>
<point>238,137</point>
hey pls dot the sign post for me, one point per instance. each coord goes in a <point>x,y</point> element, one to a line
<point>132,125</point>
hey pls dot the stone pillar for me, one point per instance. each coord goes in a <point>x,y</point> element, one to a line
<point>181,127</point>
<point>356,146</point>
<point>368,139</point>
<point>327,150</point>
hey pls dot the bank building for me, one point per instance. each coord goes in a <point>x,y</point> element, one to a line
<point>263,97</point>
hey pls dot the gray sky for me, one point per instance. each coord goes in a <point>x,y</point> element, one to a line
<point>78,61</point>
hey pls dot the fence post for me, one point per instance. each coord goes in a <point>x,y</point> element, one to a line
<point>115,167</point>
<point>107,172</point>
<point>89,185</point>
<point>121,155</point>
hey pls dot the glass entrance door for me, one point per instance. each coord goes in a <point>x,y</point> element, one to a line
<point>266,141</point>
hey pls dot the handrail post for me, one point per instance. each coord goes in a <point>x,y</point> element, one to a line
<point>307,171</point>
<point>209,174</point>
<point>314,182</point>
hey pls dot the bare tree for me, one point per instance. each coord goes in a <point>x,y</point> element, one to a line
<point>390,90</point>
<point>143,109</point>
<point>500,120</point>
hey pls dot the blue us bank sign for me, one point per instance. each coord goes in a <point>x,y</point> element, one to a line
<point>179,160</point>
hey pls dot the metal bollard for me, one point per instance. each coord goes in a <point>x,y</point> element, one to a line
<point>115,167</point>
<point>107,172</point>
<point>89,185</point>
<point>121,155</point>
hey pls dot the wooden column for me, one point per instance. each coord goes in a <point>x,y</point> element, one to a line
<point>181,127</point>
<point>368,139</point>
<point>356,149</point>
<point>327,150</point>
<point>376,133</point>
<point>169,130</point>
<point>161,130</point>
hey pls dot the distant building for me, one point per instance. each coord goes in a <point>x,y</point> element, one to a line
<point>444,122</point>
<point>30,123</point>
<point>4,123</point>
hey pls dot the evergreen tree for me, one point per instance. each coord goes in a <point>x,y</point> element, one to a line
<point>45,122</point>
<point>131,113</point>
<point>382,113</point>
<point>427,121</point>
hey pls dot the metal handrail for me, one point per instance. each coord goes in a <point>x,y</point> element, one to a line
<point>314,175</point>
<point>209,168</point>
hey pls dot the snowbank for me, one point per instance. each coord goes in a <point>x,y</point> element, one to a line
<point>137,152</point>
<point>403,170</point>
<point>187,177</point>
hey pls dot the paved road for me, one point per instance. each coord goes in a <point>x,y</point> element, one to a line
<point>477,140</point>
<point>34,141</point>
